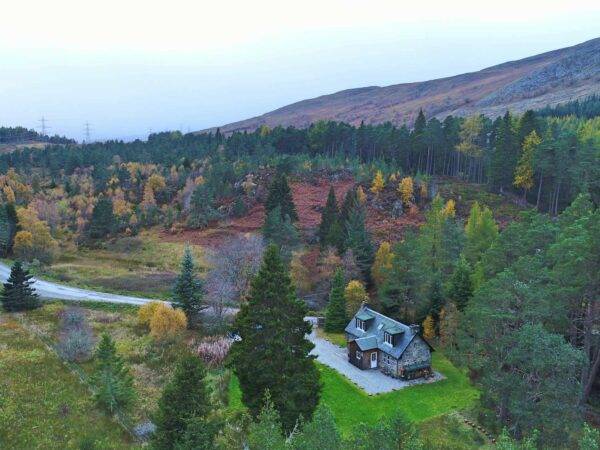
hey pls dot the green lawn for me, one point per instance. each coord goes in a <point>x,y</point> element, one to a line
<point>350,405</point>
<point>44,405</point>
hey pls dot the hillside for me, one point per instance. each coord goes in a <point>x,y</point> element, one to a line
<point>531,83</point>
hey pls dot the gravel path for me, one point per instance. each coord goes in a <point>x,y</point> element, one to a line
<point>371,381</point>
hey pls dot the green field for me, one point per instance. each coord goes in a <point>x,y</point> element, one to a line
<point>43,404</point>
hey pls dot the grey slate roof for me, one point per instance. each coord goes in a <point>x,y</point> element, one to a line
<point>367,343</point>
<point>375,332</point>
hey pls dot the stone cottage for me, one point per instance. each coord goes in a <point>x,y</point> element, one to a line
<point>378,342</point>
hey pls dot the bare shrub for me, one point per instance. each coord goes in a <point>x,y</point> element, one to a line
<point>234,266</point>
<point>76,340</point>
<point>213,350</point>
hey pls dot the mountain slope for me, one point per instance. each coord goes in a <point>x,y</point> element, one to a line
<point>530,83</point>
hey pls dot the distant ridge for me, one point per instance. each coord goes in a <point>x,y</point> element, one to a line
<point>530,83</point>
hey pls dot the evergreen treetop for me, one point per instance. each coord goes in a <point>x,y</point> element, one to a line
<point>280,195</point>
<point>188,290</point>
<point>184,398</point>
<point>18,294</point>
<point>335,317</point>
<point>273,353</point>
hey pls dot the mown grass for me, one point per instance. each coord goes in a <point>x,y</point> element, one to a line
<point>351,405</point>
<point>43,404</point>
<point>143,265</point>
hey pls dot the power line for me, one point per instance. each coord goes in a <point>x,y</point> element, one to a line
<point>44,127</point>
<point>87,132</point>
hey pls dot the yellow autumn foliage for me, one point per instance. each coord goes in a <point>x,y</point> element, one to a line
<point>449,208</point>
<point>405,188</point>
<point>361,196</point>
<point>167,322</point>
<point>146,312</point>
<point>355,295</point>
<point>382,263</point>
<point>378,183</point>
<point>428,328</point>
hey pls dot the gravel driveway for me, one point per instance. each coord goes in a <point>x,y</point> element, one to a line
<point>371,381</point>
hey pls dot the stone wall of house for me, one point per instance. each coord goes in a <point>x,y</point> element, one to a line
<point>417,352</point>
<point>388,364</point>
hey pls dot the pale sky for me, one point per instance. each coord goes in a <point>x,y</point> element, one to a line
<point>128,67</point>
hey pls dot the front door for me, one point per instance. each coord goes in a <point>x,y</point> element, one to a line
<point>374,360</point>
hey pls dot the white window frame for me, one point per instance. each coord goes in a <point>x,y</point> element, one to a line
<point>358,354</point>
<point>360,324</point>
<point>388,338</point>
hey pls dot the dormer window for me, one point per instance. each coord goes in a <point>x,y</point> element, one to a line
<point>361,325</point>
<point>389,339</point>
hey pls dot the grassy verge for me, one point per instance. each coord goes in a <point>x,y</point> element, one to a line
<point>143,265</point>
<point>42,404</point>
<point>335,338</point>
<point>450,432</point>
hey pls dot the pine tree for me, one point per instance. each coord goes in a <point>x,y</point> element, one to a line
<point>335,317</point>
<point>113,381</point>
<point>348,205</point>
<point>359,240</point>
<point>320,433</point>
<point>266,432</point>
<point>103,221</point>
<point>18,294</point>
<point>188,290</point>
<point>504,153</point>
<point>273,353</point>
<point>281,232</point>
<point>280,195</point>
<point>460,288</point>
<point>329,227</point>
<point>184,398</point>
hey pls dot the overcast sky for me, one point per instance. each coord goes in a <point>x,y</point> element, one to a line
<point>128,67</point>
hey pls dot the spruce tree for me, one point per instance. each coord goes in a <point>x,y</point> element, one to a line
<point>273,353</point>
<point>335,317</point>
<point>103,220</point>
<point>113,381</point>
<point>281,232</point>
<point>460,286</point>
<point>188,290</point>
<point>18,294</point>
<point>329,220</point>
<point>359,240</point>
<point>184,400</point>
<point>280,195</point>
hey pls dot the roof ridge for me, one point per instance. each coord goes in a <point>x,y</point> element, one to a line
<point>386,317</point>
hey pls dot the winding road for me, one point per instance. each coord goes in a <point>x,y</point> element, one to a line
<point>48,289</point>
